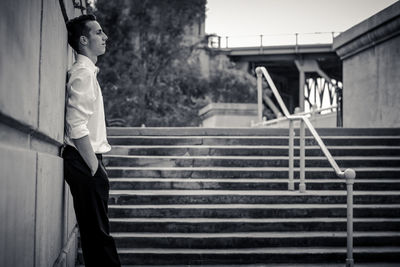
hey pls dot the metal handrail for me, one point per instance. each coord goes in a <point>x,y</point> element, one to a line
<point>318,110</point>
<point>348,174</point>
<point>279,119</point>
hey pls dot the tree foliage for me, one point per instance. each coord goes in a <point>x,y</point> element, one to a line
<point>148,75</point>
<point>230,84</point>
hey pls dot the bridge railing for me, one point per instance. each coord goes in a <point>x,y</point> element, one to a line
<point>348,174</point>
<point>261,40</point>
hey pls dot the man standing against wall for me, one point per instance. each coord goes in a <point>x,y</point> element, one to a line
<point>86,141</point>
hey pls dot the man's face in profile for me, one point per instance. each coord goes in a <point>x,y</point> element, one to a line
<point>96,38</point>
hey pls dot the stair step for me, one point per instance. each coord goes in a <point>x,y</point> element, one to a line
<point>245,161</point>
<point>273,256</point>
<point>386,264</point>
<point>252,210</point>
<point>247,184</point>
<point>245,172</point>
<point>196,131</point>
<point>251,197</point>
<point>254,140</point>
<point>226,225</point>
<point>250,150</point>
<point>253,239</point>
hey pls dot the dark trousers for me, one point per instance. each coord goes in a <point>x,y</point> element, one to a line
<point>90,195</point>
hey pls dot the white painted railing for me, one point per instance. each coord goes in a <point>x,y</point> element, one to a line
<point>311,114</point>
<point>348,174</point>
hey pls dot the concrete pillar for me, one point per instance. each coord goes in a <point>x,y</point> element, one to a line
<point>371,67</point>
<point>302,83</point>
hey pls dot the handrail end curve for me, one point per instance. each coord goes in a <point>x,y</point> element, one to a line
<point>258,71</point>
<point>349,175</point>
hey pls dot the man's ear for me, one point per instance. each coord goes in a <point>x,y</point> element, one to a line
<point>83,40</point>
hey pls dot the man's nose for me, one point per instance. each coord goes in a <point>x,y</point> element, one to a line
<point>105,37</point>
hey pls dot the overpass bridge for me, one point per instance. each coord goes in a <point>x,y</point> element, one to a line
<point>282,58</point>
<point>296,68</point>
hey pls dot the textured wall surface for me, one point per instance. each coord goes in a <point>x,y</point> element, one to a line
<point>371,67</point>
<point>228,115</point>
<point>19,74</point>
<point>37,216</point>
<point>372,94</point>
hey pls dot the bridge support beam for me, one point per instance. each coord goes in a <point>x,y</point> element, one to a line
<point>305,65</point>
<point>302,83</point>
<point>308,65</point>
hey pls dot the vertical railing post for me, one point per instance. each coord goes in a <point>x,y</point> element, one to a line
<point>349,176</point>
<point>291,156</point>
<point>259,94</point>
<point>302,186</point>
<point>226,41</point>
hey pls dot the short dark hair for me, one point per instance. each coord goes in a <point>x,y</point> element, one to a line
<point>76,28</point>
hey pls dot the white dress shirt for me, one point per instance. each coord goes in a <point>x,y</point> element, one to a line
<point>85,107</point>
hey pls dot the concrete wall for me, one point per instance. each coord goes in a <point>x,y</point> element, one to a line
<point>37,217</point>
<point>228,115</point>
<point>371,65</point>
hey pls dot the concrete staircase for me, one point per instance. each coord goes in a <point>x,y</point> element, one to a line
<point>195,196</point>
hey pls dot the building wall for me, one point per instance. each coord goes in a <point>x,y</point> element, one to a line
<point>371,67</point>
<point>37,216</point>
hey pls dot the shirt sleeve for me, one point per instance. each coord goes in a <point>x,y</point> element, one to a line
<point>80,103</point>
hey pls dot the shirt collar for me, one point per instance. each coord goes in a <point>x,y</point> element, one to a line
<point>87,62</point>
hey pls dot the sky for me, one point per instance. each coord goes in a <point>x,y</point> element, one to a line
<point>278,20</point>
